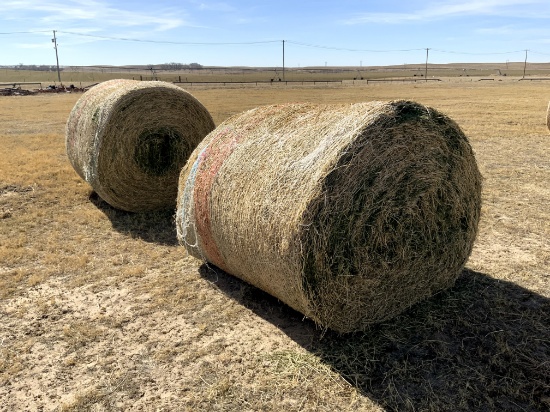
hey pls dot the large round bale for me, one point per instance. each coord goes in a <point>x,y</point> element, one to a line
<point>348,213</point>
<point>548,116</point>
<point>129,140</point>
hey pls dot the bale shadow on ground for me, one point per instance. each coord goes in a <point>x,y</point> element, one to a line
<point>153,227</point>
<point>483,345</point>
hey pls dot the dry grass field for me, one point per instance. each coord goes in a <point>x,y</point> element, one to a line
<point>83,76</point>
<point>101,310</point>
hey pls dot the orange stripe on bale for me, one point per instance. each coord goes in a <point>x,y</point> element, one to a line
<point>209,163</point>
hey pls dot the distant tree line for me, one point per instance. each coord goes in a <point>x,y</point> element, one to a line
<point>35,67</point>
<point>164,66</point>
<point>177,66</point>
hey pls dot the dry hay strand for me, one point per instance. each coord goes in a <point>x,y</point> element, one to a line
<point>129,140</point>
<point>348,213</point>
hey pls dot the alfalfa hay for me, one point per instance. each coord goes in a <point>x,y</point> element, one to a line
<point>130,139</point>
<point>349,213</point>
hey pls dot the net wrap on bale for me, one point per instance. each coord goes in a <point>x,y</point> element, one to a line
<point>129,140</point>
<point>347,213</point>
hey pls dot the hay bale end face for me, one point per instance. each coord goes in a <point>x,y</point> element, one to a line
<point>349,214</point>
<point>130,139</point>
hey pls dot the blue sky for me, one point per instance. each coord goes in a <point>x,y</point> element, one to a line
<point>250,32</point>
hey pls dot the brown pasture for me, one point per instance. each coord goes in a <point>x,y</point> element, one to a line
<point>102,310</point>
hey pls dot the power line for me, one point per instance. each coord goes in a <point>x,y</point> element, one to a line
<point>426,71</point>
<point>167,41</point>
<point>348,49</point>
<point>477,54</point>
<point>26,32</point>
<point>54,41</point>
<point>525,64</point>
<point>297,43</point>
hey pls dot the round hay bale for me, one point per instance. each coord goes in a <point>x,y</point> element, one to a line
<point>129,140</point>
<point>347,213</point>
<point>548,116</point>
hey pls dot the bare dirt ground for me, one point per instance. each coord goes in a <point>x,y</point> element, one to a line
<point>102,310</point>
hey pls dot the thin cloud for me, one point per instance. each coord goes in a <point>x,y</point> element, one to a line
<point>219,7</point>
<point>438,11</point>
<point>60,12</point>
<point>34,46</point>
<point>229,13</point>
<point>512,31</point>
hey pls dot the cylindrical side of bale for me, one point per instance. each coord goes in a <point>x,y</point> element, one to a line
<point>347,213</point>
<point>130,139</point>
<point>548,116</point>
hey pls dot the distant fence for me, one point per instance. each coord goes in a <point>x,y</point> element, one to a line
<point>224,83</point>
<point>15,84</point>
<point>397,80</point>
<point>302,82</point>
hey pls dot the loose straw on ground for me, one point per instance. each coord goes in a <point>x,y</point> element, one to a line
<point>130,139</point>
<point>348,213</point>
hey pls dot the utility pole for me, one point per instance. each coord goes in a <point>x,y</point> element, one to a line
<point>54,41</point>
<point>283,60</point>
<point>525,64</point>
<point>426,70</point>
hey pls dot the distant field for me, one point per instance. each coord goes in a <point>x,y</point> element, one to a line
<point>102,310</point>
<point>89,75</point>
